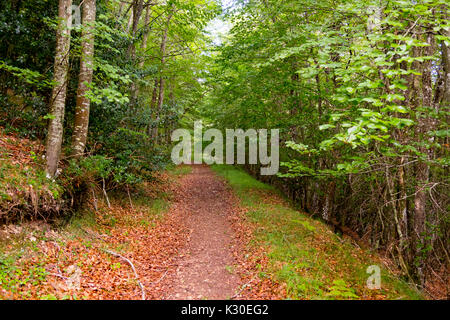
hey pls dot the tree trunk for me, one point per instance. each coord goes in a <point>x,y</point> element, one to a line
<point>161,78</point>
<point>446,71</point>
<point>130,21</point>
<point>402,206</point>
<point>55,128</point>
<point>138,6</point>
<point>424,125</point>
<point>85,78</point>
<point>121,7</point>
<point>145,37</point>
<point>153,107</point>
<point>135,93</point>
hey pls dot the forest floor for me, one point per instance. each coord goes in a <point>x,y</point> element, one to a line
<point>189,235</point>
<point>193,232</point>
<point>205,264</point>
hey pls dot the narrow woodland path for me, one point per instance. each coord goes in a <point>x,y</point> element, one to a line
<point>205,264</point>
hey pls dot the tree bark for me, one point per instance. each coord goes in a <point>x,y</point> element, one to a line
<point>59,92</point>
<point>145,37</point>
<point>134,87</point>
<point>161,78</point>
<point>424,125</point>
<point>137,6</point>
<point>85,79</point>
<point>446,70</point>
<point>153,107</point>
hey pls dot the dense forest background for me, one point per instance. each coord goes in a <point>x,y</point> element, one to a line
<point>360,91</point>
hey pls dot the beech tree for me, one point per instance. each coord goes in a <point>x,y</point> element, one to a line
<point>58,99</point>
<point>162,81</point>
<point>84,80</point>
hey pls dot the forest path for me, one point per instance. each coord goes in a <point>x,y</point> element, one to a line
<point>204,265</point>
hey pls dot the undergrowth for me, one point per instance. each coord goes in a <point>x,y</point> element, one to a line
<point>304,253</point>
<point>37,259</point>
<point>24,189</point>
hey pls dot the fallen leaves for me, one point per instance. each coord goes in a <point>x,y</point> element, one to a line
<point>78,267</point>
<point>252,260</point>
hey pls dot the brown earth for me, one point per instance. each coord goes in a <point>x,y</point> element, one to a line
<point>205,265</point>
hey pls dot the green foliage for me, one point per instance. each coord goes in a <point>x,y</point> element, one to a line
<point>27,43</point>
<point>11,275</point>
<point>341,290</point>
<point>88,170</point>
<point>356,89</point>
<point>24,189</point>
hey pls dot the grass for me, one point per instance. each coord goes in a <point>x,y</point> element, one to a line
<point>23,263</point>
<point>179,170</point>
<point>304,253</point>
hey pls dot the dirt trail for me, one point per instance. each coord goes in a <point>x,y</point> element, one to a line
<point>204,267</point>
